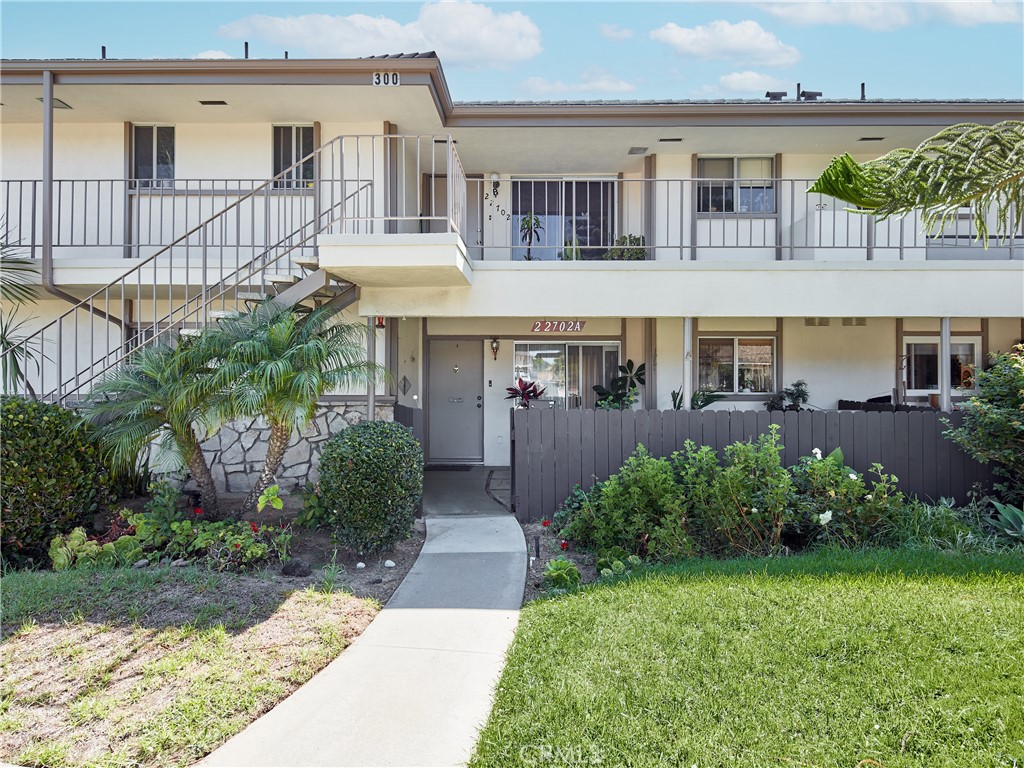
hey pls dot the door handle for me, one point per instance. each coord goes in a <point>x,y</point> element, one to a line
<point>454,399</point>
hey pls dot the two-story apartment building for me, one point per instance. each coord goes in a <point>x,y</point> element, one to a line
<point>486,241</point>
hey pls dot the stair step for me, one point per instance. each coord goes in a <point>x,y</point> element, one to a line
<point>312,263</point>
<point>278,277</point>
<point>250,296</point>
<point>220,314</point>
<point>190,331</point>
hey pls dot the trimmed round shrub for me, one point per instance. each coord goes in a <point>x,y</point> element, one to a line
<point>53,478</point>
<point>371,481</point>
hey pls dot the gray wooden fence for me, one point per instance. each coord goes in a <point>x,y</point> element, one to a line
<point>552,450</point>
<point>412,418</point>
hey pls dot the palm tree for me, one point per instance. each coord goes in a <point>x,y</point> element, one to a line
<point>161,393</point>
<point>16,288</point>
<point>966,165</point>
<point>277,363</point>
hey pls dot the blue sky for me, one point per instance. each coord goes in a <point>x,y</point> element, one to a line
<point>598,50</point>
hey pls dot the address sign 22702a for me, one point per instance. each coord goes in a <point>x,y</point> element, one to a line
<point>558,326</point>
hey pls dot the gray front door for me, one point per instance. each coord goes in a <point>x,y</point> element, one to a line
<point>456,401</point>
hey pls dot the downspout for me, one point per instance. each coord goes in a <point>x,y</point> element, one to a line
<point>371,357</point>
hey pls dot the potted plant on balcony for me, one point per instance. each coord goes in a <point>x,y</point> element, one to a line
<point>627,248</point>
<point>530,228</point>
<point>524,392</point>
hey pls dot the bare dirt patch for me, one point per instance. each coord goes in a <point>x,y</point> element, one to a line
<point>550,548</point>
<point>160,672</point>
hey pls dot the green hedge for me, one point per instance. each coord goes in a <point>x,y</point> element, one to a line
<point>53,479</point>
<point>371,482</point>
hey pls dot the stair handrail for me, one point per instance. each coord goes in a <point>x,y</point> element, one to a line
<point>65,389</point>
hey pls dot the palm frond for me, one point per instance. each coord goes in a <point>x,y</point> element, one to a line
<point>980,167</point>
<point>17,279</point>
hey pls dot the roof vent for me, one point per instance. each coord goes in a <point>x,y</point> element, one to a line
<point>776,95</point>
<point>871,138</point>
<point>672,138</point>
<point>637,151</point>
<point>213,103</point>
<point>810,95</point>
<point>819,322</point>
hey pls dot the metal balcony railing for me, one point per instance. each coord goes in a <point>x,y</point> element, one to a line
<point>593,219</point>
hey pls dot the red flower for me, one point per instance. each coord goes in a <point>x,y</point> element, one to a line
<point>545,522</point>
<point>238,545</point>
<point>255,528</point>
<point>197,511</point>
<point>564,545</point>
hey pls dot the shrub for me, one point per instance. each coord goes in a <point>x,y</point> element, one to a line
<point>993,426</point>
<point>371,481</point>
<point>638,510</point>
<point>578,501</point>
<point>53,477</point>
<point>745,504</point>
<point>561,574</point>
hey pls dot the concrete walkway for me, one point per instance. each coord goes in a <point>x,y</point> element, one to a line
<point>416,686</point>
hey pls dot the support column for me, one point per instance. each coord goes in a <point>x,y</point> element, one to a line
<point>945,373</point>
<point>687,362</point>
<point>371,358</point>
<point>47,253</point>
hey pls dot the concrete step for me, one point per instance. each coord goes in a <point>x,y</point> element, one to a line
<point>279,278</point>
<point>311,263</point>
<point>220,314</point>
<point>250,296</point>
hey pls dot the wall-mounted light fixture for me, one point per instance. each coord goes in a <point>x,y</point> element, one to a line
<point>495,183</point>
<point>380,321</point>
<point>495,346</point>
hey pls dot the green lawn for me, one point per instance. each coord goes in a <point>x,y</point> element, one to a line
<point>154,667</point>
<point>830,659</point>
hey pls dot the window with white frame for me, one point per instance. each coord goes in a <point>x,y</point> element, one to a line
<point>292,143</point>
<point>736,185</point>
<point>922,363</point>
<point>736,364</point>
<point>153,154</point>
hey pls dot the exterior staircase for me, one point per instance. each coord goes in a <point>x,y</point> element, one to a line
<point>261,246</point>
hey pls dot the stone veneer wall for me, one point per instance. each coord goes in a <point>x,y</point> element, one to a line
<point>237,451</point>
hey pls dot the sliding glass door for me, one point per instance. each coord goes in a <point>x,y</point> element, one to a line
<point>562,220</point>
<point>568,371</point>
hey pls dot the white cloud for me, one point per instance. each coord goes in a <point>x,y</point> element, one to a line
<point>461,32</point>
<point>970,13</point>
<point>879,16</point>
<point>615,32</point>
<point>750,82</point>
<point>747,83</point>
<point>593,81</point>
<point>213,54</point>
<point>743,42</point>
<point>886,16</point>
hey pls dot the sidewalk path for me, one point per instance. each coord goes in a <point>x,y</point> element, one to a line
<point>416,686</point>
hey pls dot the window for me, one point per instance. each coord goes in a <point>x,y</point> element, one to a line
<point>736,185</point>
<point>922,356</point>
<point>153,154</point>
<point>736,365</point>
<point>571,220</point>
<point>291,144</point>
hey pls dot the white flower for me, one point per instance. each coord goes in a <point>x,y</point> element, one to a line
<point>868,497</point>
<point>825,518</point>
<point>853,475</point>
<point>817,453</point>
<point>753,510</point>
